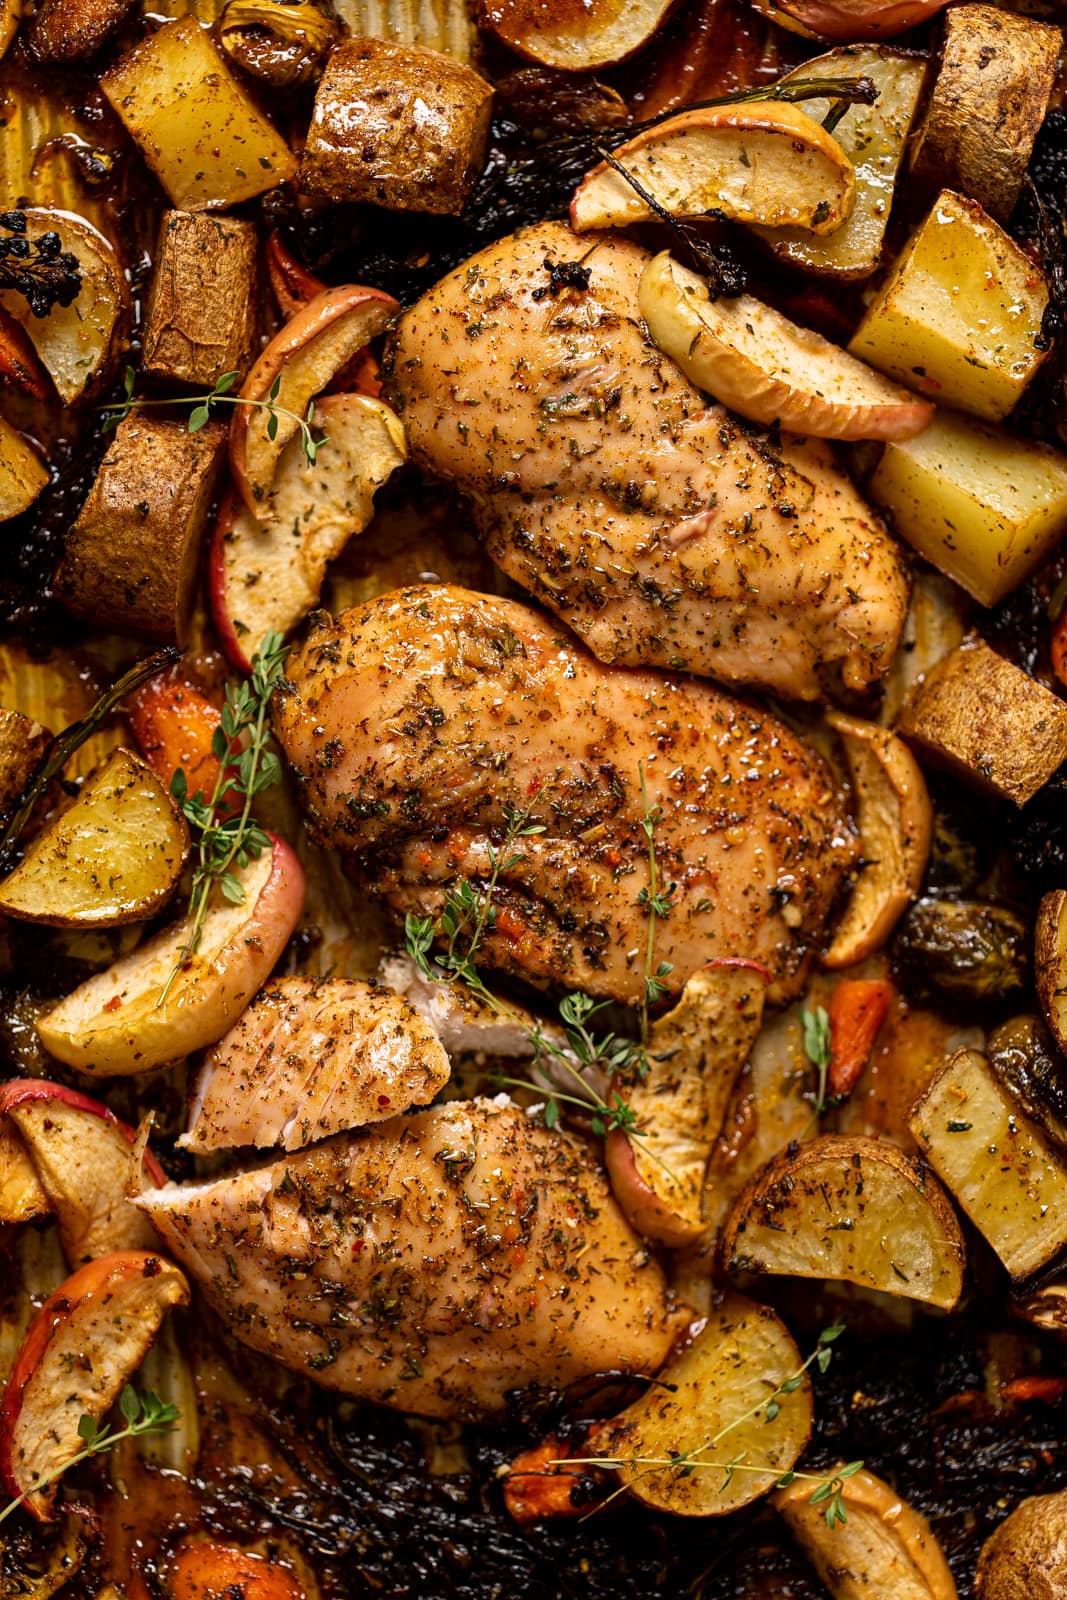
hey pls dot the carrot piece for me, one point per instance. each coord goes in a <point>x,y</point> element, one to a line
<point>1035,1387</point>
<point>533,1490</point>
<point>291,284</point>
<point>19,363</point>
<point>857,1011</point>
<point>205,1569</point>
<point>174,723</point>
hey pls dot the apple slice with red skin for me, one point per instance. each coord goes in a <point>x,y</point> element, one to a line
<point>695,1053</point>
<point>114,1024</point>
<point>265,576</point>
<point>849,21</point>
<point>302,359</point>
<point>83,1346</point>
<point>81,1152</point>
<point>21,1194</point>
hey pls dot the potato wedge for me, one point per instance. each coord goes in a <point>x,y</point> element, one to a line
<point>764,162</point>
<point>1025,1557</point>
<point>575,35</point>
<point>83,1346</point>
<point>766,368</point>
<point>22,473</point>
<point>1001,1169</point>
<point>131,558</point>
<point>268,575</point>
<point>114,856</point>
<point>203,137</point>
<point>708,1408</point>
<point>873,139</point>
<point>1050,963</point>
<point>21,1194</point>
<point>81,1154</point>
<point>23,744</point>
<point>987,102</point>
<point>857,1210</point>
<point>989,721</point>
<point>885,1548</point>
<point>981,505</point>
<point>695,1053</point>
<point>78,345</point>
<point>114,1024</point>
<point>895,820</point>
<point>398,126</point>
<point>309,351</point>
<point>959,314</point>
<point>203,308</point>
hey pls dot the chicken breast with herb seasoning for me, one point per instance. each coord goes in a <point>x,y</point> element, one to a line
<point>417,721</point>
<point>660,528</point>
<point>433,1264</point>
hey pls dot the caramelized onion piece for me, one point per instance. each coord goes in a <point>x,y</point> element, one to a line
<point>281,42</point>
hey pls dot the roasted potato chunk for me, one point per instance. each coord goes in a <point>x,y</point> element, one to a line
<point>72,30</point>
<point>1024,1058</point>
<point>397,125</point>
<point>1026,1557</point>
<point>131,557</point>
<point>22,746</point>
<point>203,309</point>
<point>959,314</point>
<point>987,102</point>
<point>1050,962</point>
<point>205,140</point>
<point>983,717</point>
<point>22,473</point>
<point>114,856</point>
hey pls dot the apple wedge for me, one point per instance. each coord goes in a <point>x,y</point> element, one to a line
<point>766,368</point>
<point>78,345</point>
<point>763,162</point>
<point>266,575</point>
<point>80,1152</point>
<point>896,823</point>
<point>694,1056</point>
<point>297,365</point>
<point>22,473</point>
<point>574,35</point>
<point>114,1024</point>
<point>114,856</point>
<point>81,1349</point>
<point>21,1194</point>
<point>845,21</point>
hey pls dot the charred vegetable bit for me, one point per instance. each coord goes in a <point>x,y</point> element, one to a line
<point>311,442</point>
<point>229,838</point>
<point>964,950</point>
<point>142,1413</point>
<point>40,270</point>
<point>72,739</point>
<point>1023,1055</point>
<point>828,1491</point>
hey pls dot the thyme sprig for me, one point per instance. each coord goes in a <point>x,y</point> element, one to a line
<point>227,836</point>
<point>142,1413</point>
<point>817,1048</point>
<point>829,1488</point>
<point>220,395</point>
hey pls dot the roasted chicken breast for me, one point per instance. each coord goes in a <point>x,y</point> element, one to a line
<point>432,1264</point>
<point>660,528</point>
<point>417,722</point>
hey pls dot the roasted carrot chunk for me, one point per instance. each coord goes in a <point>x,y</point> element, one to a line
<point>535,1489</point>
<point>174,722</point>
<point>204,1569</point>
<point>857,1011</point>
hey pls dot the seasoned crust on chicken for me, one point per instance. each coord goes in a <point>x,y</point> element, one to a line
<point>660,528</point>
<point>416,721</point>
<point>432,1264</point>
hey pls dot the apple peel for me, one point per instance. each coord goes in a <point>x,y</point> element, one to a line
<point>83,1346</point>
<point>298,364</point>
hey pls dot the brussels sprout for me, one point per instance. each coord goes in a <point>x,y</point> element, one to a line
<point>961,949</point>
<point>1024,1057</point>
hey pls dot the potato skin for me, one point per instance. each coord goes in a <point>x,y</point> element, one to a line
<point>364,142</point>
<point>72,30</point>
<point>203,310</point>
<point>987,103</point>
<point>1026,1557</point>
<point>131,557</point>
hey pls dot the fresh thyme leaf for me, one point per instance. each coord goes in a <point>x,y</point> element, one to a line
<point>816,1026</point>
<point>203,404</point>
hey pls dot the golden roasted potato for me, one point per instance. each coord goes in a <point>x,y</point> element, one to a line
<point>872,138</point>
<point>1026,1557</point>
<point>22,747</point>
<point>853,1209</point>
<point>980,504</point>
<point>203,308</point>
<point>573,35</point>
<point>114,856</point>
<point>22,472</point>
<point>1050,963</point>
<point>1000,1167</point>
<point>205,140</point>
<point>707,1407</point>
<point>988,100</point>
<point>131,557</point>
<point>959,314</point>
<point>989,721</point>
<point>397,125</point>
<point>72,30</point>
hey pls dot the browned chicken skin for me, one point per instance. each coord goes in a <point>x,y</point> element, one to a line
<point>432,1264</point>
<point>416,720</point>
<point>662,530</point>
